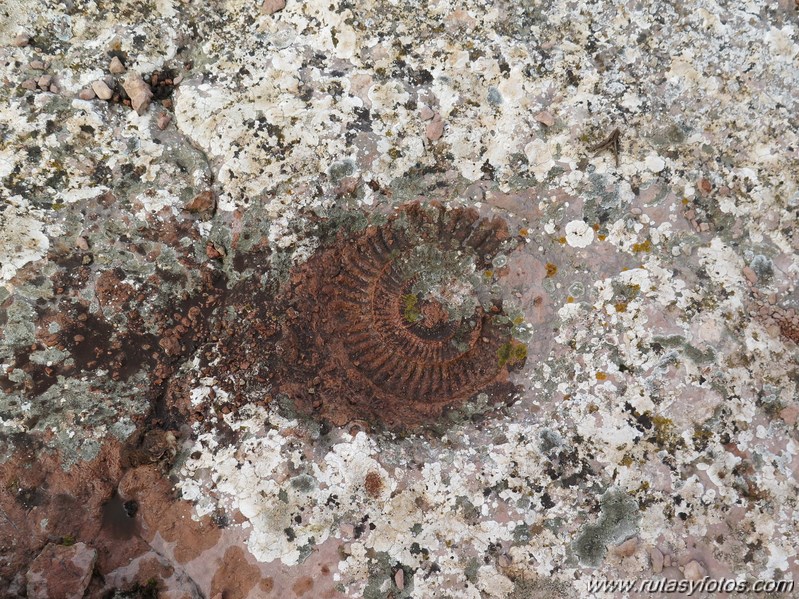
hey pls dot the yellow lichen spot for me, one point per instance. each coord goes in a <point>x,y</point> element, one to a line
<point>644,246</point>
<point>569,300</point>
<point>511,353</point>
<point>595,227</point>
<point>488,274</point>
<point>552,270</point>
<point>602,237</point>
<point>664,429</point>
<point>627,460</point>
<point>524,232</point>
<point>593,408</point>
<point>621,307</point>
<point>601,376</point>
<point>685,201</point>
<point>410,308</point>
<point>518,320</point>
<point>561,239</point>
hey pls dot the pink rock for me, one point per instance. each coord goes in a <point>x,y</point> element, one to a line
<point>694,570</point>
<point>435,128</point>
<point>87,94</point>
<point>627,548</point>
<point>28,84</point>
<point>545,118</point>
<point>139,92</point>
<point>270,7</point>
<point>750,275</point>
<point>426,113</point>
<point>115,66</point>
<point>37,65</point>
<point>61,572</point>
<point>163,120</point>
<point>22,40</point>
<point>102,90</point>
<point>399,579</point>
<point>657,559</point>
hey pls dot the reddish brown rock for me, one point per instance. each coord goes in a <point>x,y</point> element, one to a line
<point>202,203</point>
<point>61,572</point>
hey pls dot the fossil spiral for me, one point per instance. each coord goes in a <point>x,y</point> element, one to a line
<point>400,320</point>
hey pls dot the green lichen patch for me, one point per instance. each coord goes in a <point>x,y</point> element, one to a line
<point>618,520</point>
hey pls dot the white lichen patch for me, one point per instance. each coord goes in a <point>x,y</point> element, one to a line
<point>22,237</point>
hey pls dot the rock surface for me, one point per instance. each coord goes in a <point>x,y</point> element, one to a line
<point>162,396</point>
<point>61,572</point>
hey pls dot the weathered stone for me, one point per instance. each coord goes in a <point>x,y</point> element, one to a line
<point>102,90</point>
<point>139,92</point>
<point>61,572</point>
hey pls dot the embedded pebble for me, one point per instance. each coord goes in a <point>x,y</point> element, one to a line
<point>399,579</point>
<point>115,66</point>
<point>44,81</point>
<point>37,65</point>
<point>87,93</point>
<point>270,7</point>
<point>139,92</point>
<point>163,120</point>
<point>426,113</point>
<point>693,570</point>
<point>435,129</point>
<point>627,548</point>
<point>29,84</point>
<point>22,40</point>
<point>102,90</point>
<point>657,559</point>
<point>545,118</point>
<point>750,275</point>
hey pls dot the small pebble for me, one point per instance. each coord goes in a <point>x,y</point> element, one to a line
<point>22,40</point>
<point>504,561</point>
<point>87,94</point>
<point>116,67</point>
<point>435,129</point>
<point>657,559</point>
<point>203,202</point>
<point>54,89</point>
<point>37,65</point>
<point>750,275</point>
<point>545,118</point>
<point>627,548</point>
<point>28,84</point>
<point>139,92</point>
<point>426,113</point>
<point>163,120</point>
<point>44,81</point>
<point>82,243</point>
<point>102,90</point>
<point>704,227</point>
<point>270,7</point>
<point>399,579</point>
<point>693,570</point>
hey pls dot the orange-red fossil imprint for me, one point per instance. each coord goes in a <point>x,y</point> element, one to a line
<point>398,322</point>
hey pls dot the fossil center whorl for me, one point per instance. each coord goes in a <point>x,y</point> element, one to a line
<point>400,320</point>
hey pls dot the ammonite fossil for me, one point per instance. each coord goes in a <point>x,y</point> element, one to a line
<point>401,320</point>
